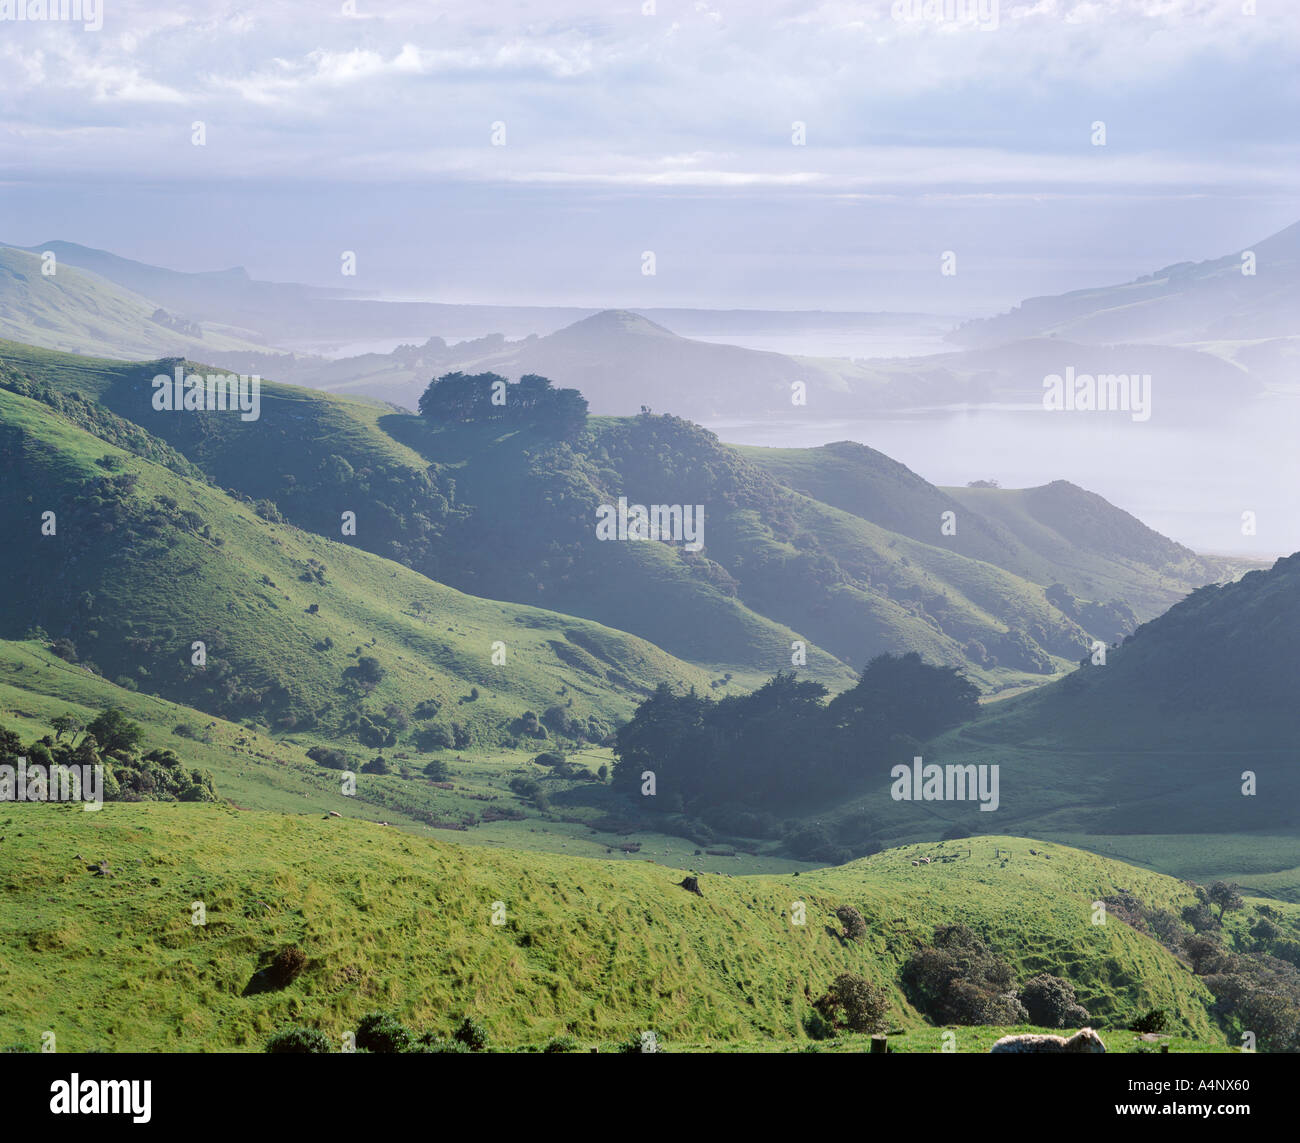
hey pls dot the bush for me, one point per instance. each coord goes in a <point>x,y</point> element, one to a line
<point>855,927</point>
<point>854,1003</point>
<point>959,980</point>
<point>1153,1021</point>
<point>286,967</point>
<point>561,1044</point>
<point>380,1032</point>
<point>330,759</point>
<point>472,1034</point>
<point>302,1041</point>
<point>430,738</point>
<point>437,771</point>
<point>1051,1003</point>
<point>430,1044</point>
<point>817,1026</point>
<point>640,1043</point>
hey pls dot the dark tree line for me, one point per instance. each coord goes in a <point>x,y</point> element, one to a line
<point>783,740</point>
<point>457,398</point>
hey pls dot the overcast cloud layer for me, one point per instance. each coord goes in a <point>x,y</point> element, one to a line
<point>672,132</point>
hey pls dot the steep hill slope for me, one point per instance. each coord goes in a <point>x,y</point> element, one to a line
<point>1188,728</point>
<point>145,561</point>
<point>1056,534</point>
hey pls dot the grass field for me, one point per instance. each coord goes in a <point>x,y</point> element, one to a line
<point>597,949</point>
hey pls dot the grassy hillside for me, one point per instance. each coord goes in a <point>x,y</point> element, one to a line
<point>856,567</point>
<point>78,312</point>
<point>1056,534</point>
<point>146,561</point>
<point>600,950</point>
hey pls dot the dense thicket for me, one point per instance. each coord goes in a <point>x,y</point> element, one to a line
<point>783,741</point>
<point>487,397</point>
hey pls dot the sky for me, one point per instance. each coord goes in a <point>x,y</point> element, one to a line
<point>536,152</point>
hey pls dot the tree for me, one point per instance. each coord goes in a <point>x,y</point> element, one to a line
<point>367,673</point>
<point>114,731</point>
<point>1226,894</point>
<point>1051,1003</point>
<point>854,1003</point>
<point>63,724</point>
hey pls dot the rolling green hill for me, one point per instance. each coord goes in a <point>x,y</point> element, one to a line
<point>146,561</point>
<point>78,312</point>
<point>1056,534</point>
<point>1187,729</point>
<point>597,950</point>
<point>857,566</point>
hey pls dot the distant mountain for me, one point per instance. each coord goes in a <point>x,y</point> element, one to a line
<point>620,361</point>
<point>79,312</point>
<point>1056,534</point>
<point>1186,302</point>
<point>290,314</point>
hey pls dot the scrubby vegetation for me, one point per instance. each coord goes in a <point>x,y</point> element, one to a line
<point>113,742</point>
<point>720,759</point>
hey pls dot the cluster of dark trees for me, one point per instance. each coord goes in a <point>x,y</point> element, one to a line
<point>457,398</point>
<point>958,979</point>
<point>783,741</point>
<point>112,740</point>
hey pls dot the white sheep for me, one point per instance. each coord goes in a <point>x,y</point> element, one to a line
<point>1084,1040</point>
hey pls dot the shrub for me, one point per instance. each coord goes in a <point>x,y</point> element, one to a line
<point>959,980</point>
<point>817,1026</point>
<point>855,927</point>
<point>437,771</point>
<point>472,1034</point>
<point>640,1043</point>
<point>331,759</point>
<point>380,1032</point>
<point>304,1041</point>
<point>287,966</point>
<point>1051,1003</point>
<point>854,1003</point>
<point>430,738</point>
<point>1153,1021</point>
<point>430,1044</point>
<point>561,1044</point>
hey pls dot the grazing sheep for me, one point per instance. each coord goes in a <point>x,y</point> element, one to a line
<point>916,863</point>
<point>1084,1040</point>
<point>925,861</point>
